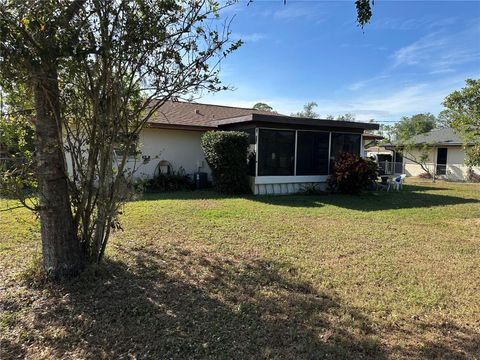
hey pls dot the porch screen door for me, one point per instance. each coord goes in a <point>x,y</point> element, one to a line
<point>442,161</point>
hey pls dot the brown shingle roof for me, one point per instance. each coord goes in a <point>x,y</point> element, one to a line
<point>196,116</point>
<point>179,113</point>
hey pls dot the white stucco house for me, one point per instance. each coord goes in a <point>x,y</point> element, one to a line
<point>286,152</point>
<point>446,155</point>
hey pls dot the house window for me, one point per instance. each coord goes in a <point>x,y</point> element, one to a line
<point>349,143</point>
<point>276,152</point>
<point>312,153</point>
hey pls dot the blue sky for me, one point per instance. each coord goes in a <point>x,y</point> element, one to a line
<point>405,61</point>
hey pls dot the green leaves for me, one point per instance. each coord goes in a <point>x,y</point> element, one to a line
<point>263,107</point>
<point>364,11</point>
<point>352,174</point>
<point>16,157</point>
<point>407,127</point>
<point>308,111</point>
<point>226,154</point>
<point>463,114</point>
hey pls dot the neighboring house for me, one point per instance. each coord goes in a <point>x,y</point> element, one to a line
<point>389,161</point>
<point>286,153</point>
<point>446,155</point>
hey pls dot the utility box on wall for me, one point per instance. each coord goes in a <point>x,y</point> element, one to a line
<point>201,180</point>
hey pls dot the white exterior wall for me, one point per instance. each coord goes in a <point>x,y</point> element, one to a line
<point>456,169</point>
<point>414,169</point>
<point>182,148</point>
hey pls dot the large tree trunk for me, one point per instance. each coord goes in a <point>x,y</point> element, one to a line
<point>62,253</point>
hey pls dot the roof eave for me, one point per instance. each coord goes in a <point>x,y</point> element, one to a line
<point>282,119</point>
<point>153,125</point>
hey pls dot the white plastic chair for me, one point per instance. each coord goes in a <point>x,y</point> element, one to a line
<point>398,181</point>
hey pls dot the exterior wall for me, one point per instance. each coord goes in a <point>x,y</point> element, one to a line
<point>179,147</point>
<point>414,169</point>
<point>456,169</point>
<point>284,185</point>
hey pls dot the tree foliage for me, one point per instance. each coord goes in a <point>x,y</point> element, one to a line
<point>352,174</point>
<point>402,133</point>
<point>346,117</point>
<point>308,111</point>
<point>98,70</point>
<point>263,106</point>
<point>364,11</point>
<point>410,126</point>
<point>226,154</point>
<point>94,72</point>
<point>462,111</point>
<point>17,151</point>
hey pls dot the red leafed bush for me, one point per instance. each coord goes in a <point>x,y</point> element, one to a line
<point>352,174</point>
<point>425,175</point>
<point>472,176</point>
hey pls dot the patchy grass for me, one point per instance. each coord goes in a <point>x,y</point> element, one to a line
<point>198,275</point>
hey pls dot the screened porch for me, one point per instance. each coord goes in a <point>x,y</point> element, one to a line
<point>283,161</point>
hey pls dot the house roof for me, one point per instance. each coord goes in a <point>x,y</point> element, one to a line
<point>179,114</point>
<point>441,136</point>
<point>192,114</point>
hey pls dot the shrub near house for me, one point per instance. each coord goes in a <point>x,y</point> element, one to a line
<point>226,154</point>
<point>352,174</point>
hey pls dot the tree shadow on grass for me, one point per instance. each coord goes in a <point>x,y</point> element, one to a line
<point>441,340</point>
<point>186,306</point>
<point>371,201</point>
<point>455,343</point>
<point>411,197</point>
<point>178,304</point>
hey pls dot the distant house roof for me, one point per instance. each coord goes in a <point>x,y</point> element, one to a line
<point>379,149</point>
<point>441,136</point>
<point>368,136</point>
<point>196,116</point>
<point>437,137</point>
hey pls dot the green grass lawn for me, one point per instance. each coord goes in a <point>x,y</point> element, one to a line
<point>197,275</point>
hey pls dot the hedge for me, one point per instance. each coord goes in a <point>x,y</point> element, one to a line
<point>226,154</point>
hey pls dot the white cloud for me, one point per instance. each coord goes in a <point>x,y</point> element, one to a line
<point>358,85</point>
<point>296,10</point>
<point>382,102</point>
<point>419,51</point>
<point>410,24</point>
<point>442,71</point>
<point>249,38</point>
<point>416,79</point>
<point>440,51</point>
